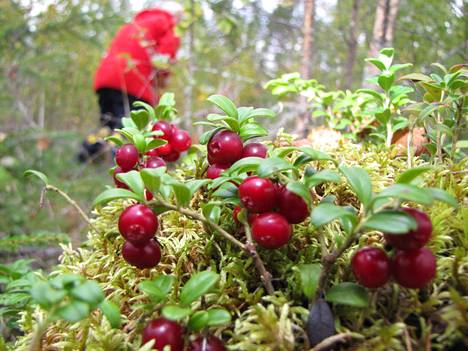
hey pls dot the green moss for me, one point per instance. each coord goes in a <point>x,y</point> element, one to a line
<point>434,316</point>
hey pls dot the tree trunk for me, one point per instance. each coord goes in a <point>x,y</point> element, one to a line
<point>352,44</point>
<point>306,63</point>
<point>187,122</point>
<point>383,33</point>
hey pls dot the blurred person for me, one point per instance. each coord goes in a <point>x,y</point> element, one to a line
<point>135,68</point>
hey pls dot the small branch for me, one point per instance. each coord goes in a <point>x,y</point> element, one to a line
<point>252,250</point>
<point>73,203</point>
<point>330,259</point>
<point>332,340</point>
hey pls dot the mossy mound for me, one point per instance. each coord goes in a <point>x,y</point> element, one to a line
<point>432,318</point>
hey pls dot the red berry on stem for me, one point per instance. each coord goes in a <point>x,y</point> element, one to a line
<point>414,269</point>
<point>164,127</point>
<point>146,256</point>
<point>172,156</point>
<point>258,194</point>
<point>254,150</point>
<point>180,140</point>
<point>371,267</point>
<point>225,147</point>
<point>211,343</point>
<point>214,171</point>
<point>138,224</point>
<point>165,333</point>
<point>148,195</point>
<point>292,206</point>
<point>154,162</point>
<point>416,238</point>
<point>271,230</point>
<point>117,182</point>
<point>152,153</point>
<point>235,213</point>
<point>127,157</point>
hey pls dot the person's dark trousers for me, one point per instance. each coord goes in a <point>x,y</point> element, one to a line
<point>113,105</point>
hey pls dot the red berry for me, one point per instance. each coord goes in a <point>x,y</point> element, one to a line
<point>181,140</point>
<point>163,150</point>
<point>235,213</point>
<point>225,147</point>
<point>252,217</point>
<point>416,238</point>
<point>165,333</point>
<point>154,162</point>
<point>172,156</point>
<point>215,170</point>
<point>146,256</point>
<point>117,182</point>
<point>164,127</point>
<point>211,343</point>
<point>371,267</point>
<point>254,150</point>
<point>138,224</point>
<point>148,195</point>
<point>271,230</point>
<point>257,194</point>
<point>127,157</point>
<point>292,206</point>
<point>152,153</point>
<point>414,269</point>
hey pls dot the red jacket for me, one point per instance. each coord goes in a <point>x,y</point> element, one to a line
<point>127,65</point>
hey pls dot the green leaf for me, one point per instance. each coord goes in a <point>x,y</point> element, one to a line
<point>377,63</point>
<point>140,118</point>
<point>198,321</point>
<point>218,316</point>
<point>323,176</point>
<point>155,143</point>
<point>391,221</point>
<point>385,80</point>
<point>152,178</point>
<point>74,311</point>
<point>46,296</point>
<point>157,288</point>
<point>40,175</point>
<point>407,192</point>
<point>140,142</point>
<point>113,194</point>
<point>417,77</point>
<point>175,313</point>
<point>272,165</point>
<point>224,104</point>
<point>301,190</point>
<point>310,274</point>
<point>134,181</point>
<point>262,112</point>
<point>226,190</point>
<point>374,93</point>
<point>360,182</point>
<point>442,195</point>
<point>247,164</point>
<point>116,140</point>
<point>182,192</point>
<point>252,130</point>
<point>196,184</point>
<point>199,284</point>
<point>400,66</point>
<point>112,312</point>
<point>149,109</point>
<point>89,292</point>
<point>231,123</point>
<point>348,294</point>
<point>326,212</point>
<point>66,281</point>
<point>212,211</point>
<point>315,155</point>
<point>167,99</point>
<point>205,137</point>
<point>408,176</point>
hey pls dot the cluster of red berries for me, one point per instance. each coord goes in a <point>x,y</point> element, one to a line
<point>413,265</point>
<point>138,225</point>
<point>128,158</point>
<point>272,208</point>
<point>225,148</point>
<point>169,333</point>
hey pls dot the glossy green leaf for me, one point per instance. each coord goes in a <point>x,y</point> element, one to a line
<point>272,165</point>
<point>74,311</point>
<point>153,144</point>
<point>152,178</point>
<point>133,180</point>
<point>309,274</point>
<point>301,190</point>
<point>40,175</point>
<point>386,80</point>
<point>157,288</point>
<point>218,316</point>
<point>407,192</point>
<point>226,190</point>
<point>112,313</point>
<point>443,196</point>
<point>113,194</point>
<point>360,182</point>
<point>377,63</point>
<point>116,140</point>
<point>315,155</point>
<point>326,212</point>
<point>417,77</point>
<point>252,130</point>
<point>247,164</point>
<point>140,118</point>
<point>46,296</point>
<point>198,321</point>
<point>89,292</point>
<point>176,313</point>
<point>371,92</point>
<point>391,221</point>
<point>199,284</point>
<point>323,176</point>
<point>224,104</point>
<point>349,294</point>
<point>410,175</point>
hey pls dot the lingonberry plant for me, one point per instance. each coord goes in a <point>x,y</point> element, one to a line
<point>270,202</point>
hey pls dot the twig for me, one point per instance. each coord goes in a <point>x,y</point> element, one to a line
<point>330,341</point>
<point>73,203</point>
<point>249,247</point>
